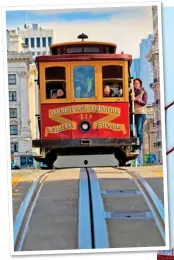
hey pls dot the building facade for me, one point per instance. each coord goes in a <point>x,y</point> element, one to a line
<point>18,75</point>
<point>153,57</point>
<point>22,48</point>
<point>20,132</point>
<point>36,39</point>
<point>149,137</point>
<point>146,73</point>
<point>135,68</point>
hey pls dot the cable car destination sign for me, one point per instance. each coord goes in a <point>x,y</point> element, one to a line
<point>85,112</point>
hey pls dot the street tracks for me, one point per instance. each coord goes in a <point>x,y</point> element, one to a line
<point>101,211</point>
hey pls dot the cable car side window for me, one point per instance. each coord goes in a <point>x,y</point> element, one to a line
<point>84,81</point>
<point>55,82</point>
<point>112,79</point>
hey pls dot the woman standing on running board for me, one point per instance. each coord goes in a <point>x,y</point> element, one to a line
<point>140,101</point>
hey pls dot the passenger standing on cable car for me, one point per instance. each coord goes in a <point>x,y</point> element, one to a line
<point>140,102</point>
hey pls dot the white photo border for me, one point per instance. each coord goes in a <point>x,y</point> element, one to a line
<point>89,6</point>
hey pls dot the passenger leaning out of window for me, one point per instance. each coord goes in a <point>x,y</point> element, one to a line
<point>140,101</point>
<point>61,93</point>
<point>107,92</point>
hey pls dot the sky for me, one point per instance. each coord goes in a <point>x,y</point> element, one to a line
<point>124,26</point>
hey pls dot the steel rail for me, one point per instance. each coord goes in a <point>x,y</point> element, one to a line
<point>25,211</point>
<point>92,230</point>
<point>84,225</point>
<point>152,201</point>
<point>100,234</point>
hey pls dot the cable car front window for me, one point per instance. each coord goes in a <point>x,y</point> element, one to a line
<point>84,81</point>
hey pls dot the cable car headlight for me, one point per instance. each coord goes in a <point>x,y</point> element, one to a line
<point>85,126</point>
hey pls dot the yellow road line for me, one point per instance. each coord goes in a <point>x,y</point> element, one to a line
<point>159,173</point>
<point>15,180</point>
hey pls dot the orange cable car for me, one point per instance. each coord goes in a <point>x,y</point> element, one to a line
<point>84,106</point>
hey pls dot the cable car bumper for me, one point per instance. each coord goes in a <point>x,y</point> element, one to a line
<point>104,142</point>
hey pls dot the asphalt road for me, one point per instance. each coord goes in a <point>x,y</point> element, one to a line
<point>54,223</point>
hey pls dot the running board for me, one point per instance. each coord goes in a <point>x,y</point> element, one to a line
<point>79,161</point>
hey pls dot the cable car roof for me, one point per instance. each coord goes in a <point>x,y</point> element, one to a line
<point>64,44</point>
<point>59,47</point>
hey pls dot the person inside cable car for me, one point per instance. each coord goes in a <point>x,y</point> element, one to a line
<point>107,91</point>
<point>120,92</point>
<point>61,93</point>
<point>54,93</point>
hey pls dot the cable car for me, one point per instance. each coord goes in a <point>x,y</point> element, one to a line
<point>84,116</point>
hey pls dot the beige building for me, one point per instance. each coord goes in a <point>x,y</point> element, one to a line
<point>32,89</point>
<point>153,57</point>
<point>24,46</point>
<point>37,39</point>
<point>21,86</point>
<point>149,133</point>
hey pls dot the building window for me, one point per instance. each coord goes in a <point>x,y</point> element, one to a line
<point>38,42</point>
<point>33,53</point>
<point>32,42</point>
<point>43,42</point>
<point>13,112</point>
<point>14,147</point>
<point>26,42</point>
<point>38,53</point>
<point>12,96</point>
<point>12,79</point>
<point>13,130</point>
<point>49,41</point>
<point>159,122</point>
